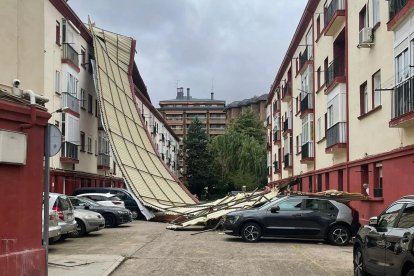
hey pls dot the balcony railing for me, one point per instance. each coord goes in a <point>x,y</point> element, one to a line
<point>395,6</point>
<point>335,69</point>
<point>71,101</point>
<point>287,160</point>
<point>70,150</point>
<point>333,7</point>
<point>286,90</point>
<point>70,54</point>
<point>336,134</point>
<point>304,57</point>
<point>103,160</point>
<point>307,150</point>
<point>276,136</point>
<point>306,103</point>
<point>276,167</point>
<point>287,124</point>
<point>403,98</point>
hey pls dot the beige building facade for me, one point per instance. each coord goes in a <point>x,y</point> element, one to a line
<point>339,108</point>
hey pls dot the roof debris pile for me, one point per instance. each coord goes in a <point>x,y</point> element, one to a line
<point>334,194</point>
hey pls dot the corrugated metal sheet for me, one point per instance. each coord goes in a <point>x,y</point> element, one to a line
<point>143,171</point>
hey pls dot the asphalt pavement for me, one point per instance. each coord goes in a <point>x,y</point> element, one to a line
<point>147,248</point>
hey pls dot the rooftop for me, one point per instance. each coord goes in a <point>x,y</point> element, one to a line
<point>246,102</point>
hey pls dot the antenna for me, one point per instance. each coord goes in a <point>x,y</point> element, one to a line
<point>176,82</point>
<point>212,85</point>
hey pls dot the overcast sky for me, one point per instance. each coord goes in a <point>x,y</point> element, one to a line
<point>236,44</point>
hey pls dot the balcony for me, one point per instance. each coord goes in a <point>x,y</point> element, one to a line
<point>276,167</point>
<point>397,9</point>
<point>287,92</point>
<point>334,16</point>
<point>306,105</point>
<point>70,101</point>
<point>103,161</point>
<point>402,104</point>
<point>287,161</point>
<point>287,125</point>
<point>304,57</point>
<point>276,107</point>
<point>69,153</point>
<point>70,56</point>
<point>335,74</point>
<point>336,137</point>
<point>307,153</point>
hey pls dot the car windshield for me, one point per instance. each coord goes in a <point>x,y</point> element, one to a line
<point>83,201</point>
<point>271,202</point>
<point>114,198</point>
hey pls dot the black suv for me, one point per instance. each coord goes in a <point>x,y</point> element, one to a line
<point>300,217</point>
<point>122,194</point>
<point>385,246</point>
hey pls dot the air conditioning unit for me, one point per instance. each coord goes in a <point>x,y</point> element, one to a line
<point>366,38</point>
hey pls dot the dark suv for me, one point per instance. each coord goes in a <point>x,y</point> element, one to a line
<point>122,194</point>
<point>385,246</point>
<point>300,217</point>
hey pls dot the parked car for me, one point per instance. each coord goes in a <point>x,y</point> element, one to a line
<point>297,217</point>
<point>66,219</point>
<point>113,216</point>
<point>105,199</point>
<point>54,228</point>
<point>385,246</point>
<point>123,194</point>
<point>86,222</point>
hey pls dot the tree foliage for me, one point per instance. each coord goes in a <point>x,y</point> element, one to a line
<point>198,159</point>
<point>239,156</point>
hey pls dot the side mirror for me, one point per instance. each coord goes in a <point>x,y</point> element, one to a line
<point>373,221</point>
<point>274,209</point>
<point>87,207</point>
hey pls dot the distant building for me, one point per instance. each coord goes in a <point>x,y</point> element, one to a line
<point>257,104</point>
<point>180,112</point>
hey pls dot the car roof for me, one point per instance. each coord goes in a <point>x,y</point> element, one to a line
<point>408,197</point>
<point>97,194</point>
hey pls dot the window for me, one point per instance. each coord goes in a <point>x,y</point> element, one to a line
<point>318,26</point>
<point>307,129</point>
<point>83,57</point>
<point>319,183</point>
<point>96,147</point>
<point>318,205</point>
<point>57,82</point>
<point>319,129</point>
<point>378,180</point>
<point>292,204</point>
<point>402,66</point>
<point>326,124</point>
<point>376,89</point>
<point>362,18</point>
<point>90,103</point>
<point>83,98</point>
<point>82,141</point>
<point>89,145</point>
<point>330,116</point>
<point>375,12</point>
<point>363,95</point>
<point>96,108</point>
<point>387,219</point>
<point>407,217</point>
<point>298,144</point>
<point>318,78</point>
<point>72,87</point>
<point>364,179</point>
<point>57,33</point>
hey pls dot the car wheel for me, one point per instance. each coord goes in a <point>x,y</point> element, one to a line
<point>251,232</point>
<point>359,269</point>
<point>80,229</point>
<point>110,220</point>
<point>134,214</point>
<point>63,237</point>
<point>339,235</point>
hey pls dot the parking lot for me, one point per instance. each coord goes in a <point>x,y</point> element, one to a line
<point>147,248</point>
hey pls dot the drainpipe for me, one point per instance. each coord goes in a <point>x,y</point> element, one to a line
<point>33,96</point>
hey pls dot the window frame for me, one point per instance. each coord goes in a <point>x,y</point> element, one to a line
<point>58,33</point>
<point>376,92</point>
<point>90,104</point>
<point>82,141</point>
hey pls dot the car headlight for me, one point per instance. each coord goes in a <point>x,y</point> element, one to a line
<point>232,219</point>
<point>122,212</point>
<point>89,217</point>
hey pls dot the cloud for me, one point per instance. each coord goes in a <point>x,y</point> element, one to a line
<point>238,43</point>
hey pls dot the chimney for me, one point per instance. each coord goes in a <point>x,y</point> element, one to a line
<point>188,94</point>
<point>212,95</point>
<point>180,93</point>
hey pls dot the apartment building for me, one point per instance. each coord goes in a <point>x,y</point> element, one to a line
<point>54,58</point>
<point>181,111</point>
<point>339,108</point>
<point>256,104</point>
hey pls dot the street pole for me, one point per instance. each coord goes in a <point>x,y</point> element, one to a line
<point>46,178</point>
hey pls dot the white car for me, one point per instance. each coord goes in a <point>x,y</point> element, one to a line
<point>64,209</point>
<point>104,199</point>
<point>54,228</point>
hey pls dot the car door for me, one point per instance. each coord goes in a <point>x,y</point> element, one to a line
<point>317,215</point>
<point>284,221</point>
<point>375,242</point>
<point>399,241</point>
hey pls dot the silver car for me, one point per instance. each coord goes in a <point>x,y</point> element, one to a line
<point>86,222</point>
<point>66,219</point>
<point>54,228</point>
